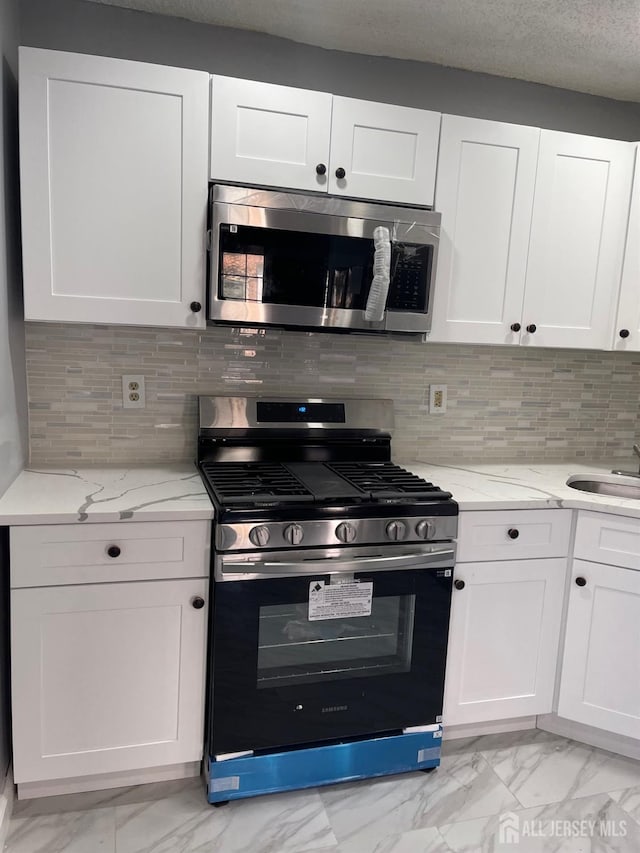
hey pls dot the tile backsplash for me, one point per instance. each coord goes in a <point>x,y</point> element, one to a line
<point>504,403</point>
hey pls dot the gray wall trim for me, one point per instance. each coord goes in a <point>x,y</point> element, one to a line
<point>76,25</point>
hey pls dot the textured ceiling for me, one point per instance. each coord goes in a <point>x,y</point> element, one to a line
<point>586,45</point>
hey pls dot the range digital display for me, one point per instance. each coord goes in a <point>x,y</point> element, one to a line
<point>300,413</point>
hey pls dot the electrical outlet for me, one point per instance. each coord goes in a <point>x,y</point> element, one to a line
<point>133,396</point>
<point>437,399</point>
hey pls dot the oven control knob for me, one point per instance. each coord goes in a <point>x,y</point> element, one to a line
<point>396,530</point>
<point>346,532</point>
<point>259,536</point>
<point>425,529</point>
<point>293,533</point>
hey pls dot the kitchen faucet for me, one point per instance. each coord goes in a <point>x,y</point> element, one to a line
<point>636,450</point>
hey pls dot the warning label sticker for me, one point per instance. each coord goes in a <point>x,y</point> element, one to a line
<point>331,601</point>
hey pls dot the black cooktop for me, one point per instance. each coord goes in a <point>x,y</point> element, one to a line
<point>273,483</point>
<point>384,479</point>
<point>254,482</point>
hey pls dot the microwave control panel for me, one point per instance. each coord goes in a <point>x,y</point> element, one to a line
<point>410,272</point>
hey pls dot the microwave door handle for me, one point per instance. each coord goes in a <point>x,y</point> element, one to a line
<point>379,291</point>
<point>442,558</point>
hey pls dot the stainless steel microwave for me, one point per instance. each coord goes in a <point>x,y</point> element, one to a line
<point>280,258</point>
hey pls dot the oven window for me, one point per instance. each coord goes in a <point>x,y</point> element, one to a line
<point>292,650</point>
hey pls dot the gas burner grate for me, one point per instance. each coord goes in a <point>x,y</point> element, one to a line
<point>254,482</point>
<point>386,481</point>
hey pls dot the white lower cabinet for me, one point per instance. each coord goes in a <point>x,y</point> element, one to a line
<point>107,677</point>
<point>503,639</point>
<point>108,649</point>
<point>600,683</point>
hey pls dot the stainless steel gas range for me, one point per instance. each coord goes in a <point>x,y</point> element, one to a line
<point>332,571</point>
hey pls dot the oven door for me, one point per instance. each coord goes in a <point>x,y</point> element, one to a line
<point>292,268</point>
<point>370,658</point>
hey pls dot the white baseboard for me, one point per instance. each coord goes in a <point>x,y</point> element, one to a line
<point>515,724</point>
<point>588,734</point>
<point>7,798</point>
<point>81,784</point>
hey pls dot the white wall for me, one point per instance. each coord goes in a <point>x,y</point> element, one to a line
<point>13,407</point>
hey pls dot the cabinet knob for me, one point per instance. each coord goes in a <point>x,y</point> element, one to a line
<point>113,551</point>
<point>531,328</point>
<point>624,333</point>
<point>321,169</point>
<point>195,307</point>
<point>197,602</point>
<point>340,173</point>
<point>459,584</point>
<point>581,581</point>
<point>513,533</point>
<point>515,327</point>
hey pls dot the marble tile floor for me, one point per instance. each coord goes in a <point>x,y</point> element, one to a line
<point>524,792</point>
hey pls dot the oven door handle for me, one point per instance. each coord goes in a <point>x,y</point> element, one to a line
<point>443,558</point>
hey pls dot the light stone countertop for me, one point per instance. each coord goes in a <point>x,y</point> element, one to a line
<point>138,493</point>
<point>50,495</point>
<point>532,486</point>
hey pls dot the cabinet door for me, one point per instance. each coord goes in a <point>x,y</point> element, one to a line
<point>269,135</point>
<point>503,640</point>
<point>387,152</point>
<point>626,332</point>
<point>113,163</point>
<point>106,677</point>
<point>600,682</point>
<point>578,231</point>
<point>484,191</point>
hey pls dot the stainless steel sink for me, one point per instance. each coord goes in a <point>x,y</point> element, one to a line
<point>616,485</point>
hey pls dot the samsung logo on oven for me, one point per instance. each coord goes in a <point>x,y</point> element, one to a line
<point>331,709</point>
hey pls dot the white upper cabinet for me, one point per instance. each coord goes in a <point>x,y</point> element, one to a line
<point>263,134</point>
<point>115,159</point>
<point>533,231</point>
<point>113,163</point>
<point>626,333</point>
<point>578,230</point>
<point>269,135</point>
<point>484,191</point>
<point>386,152</point>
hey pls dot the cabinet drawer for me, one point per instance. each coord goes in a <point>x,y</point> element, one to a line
<point>521,534</point>
<point>610,539</point>
<point>48,555</point>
